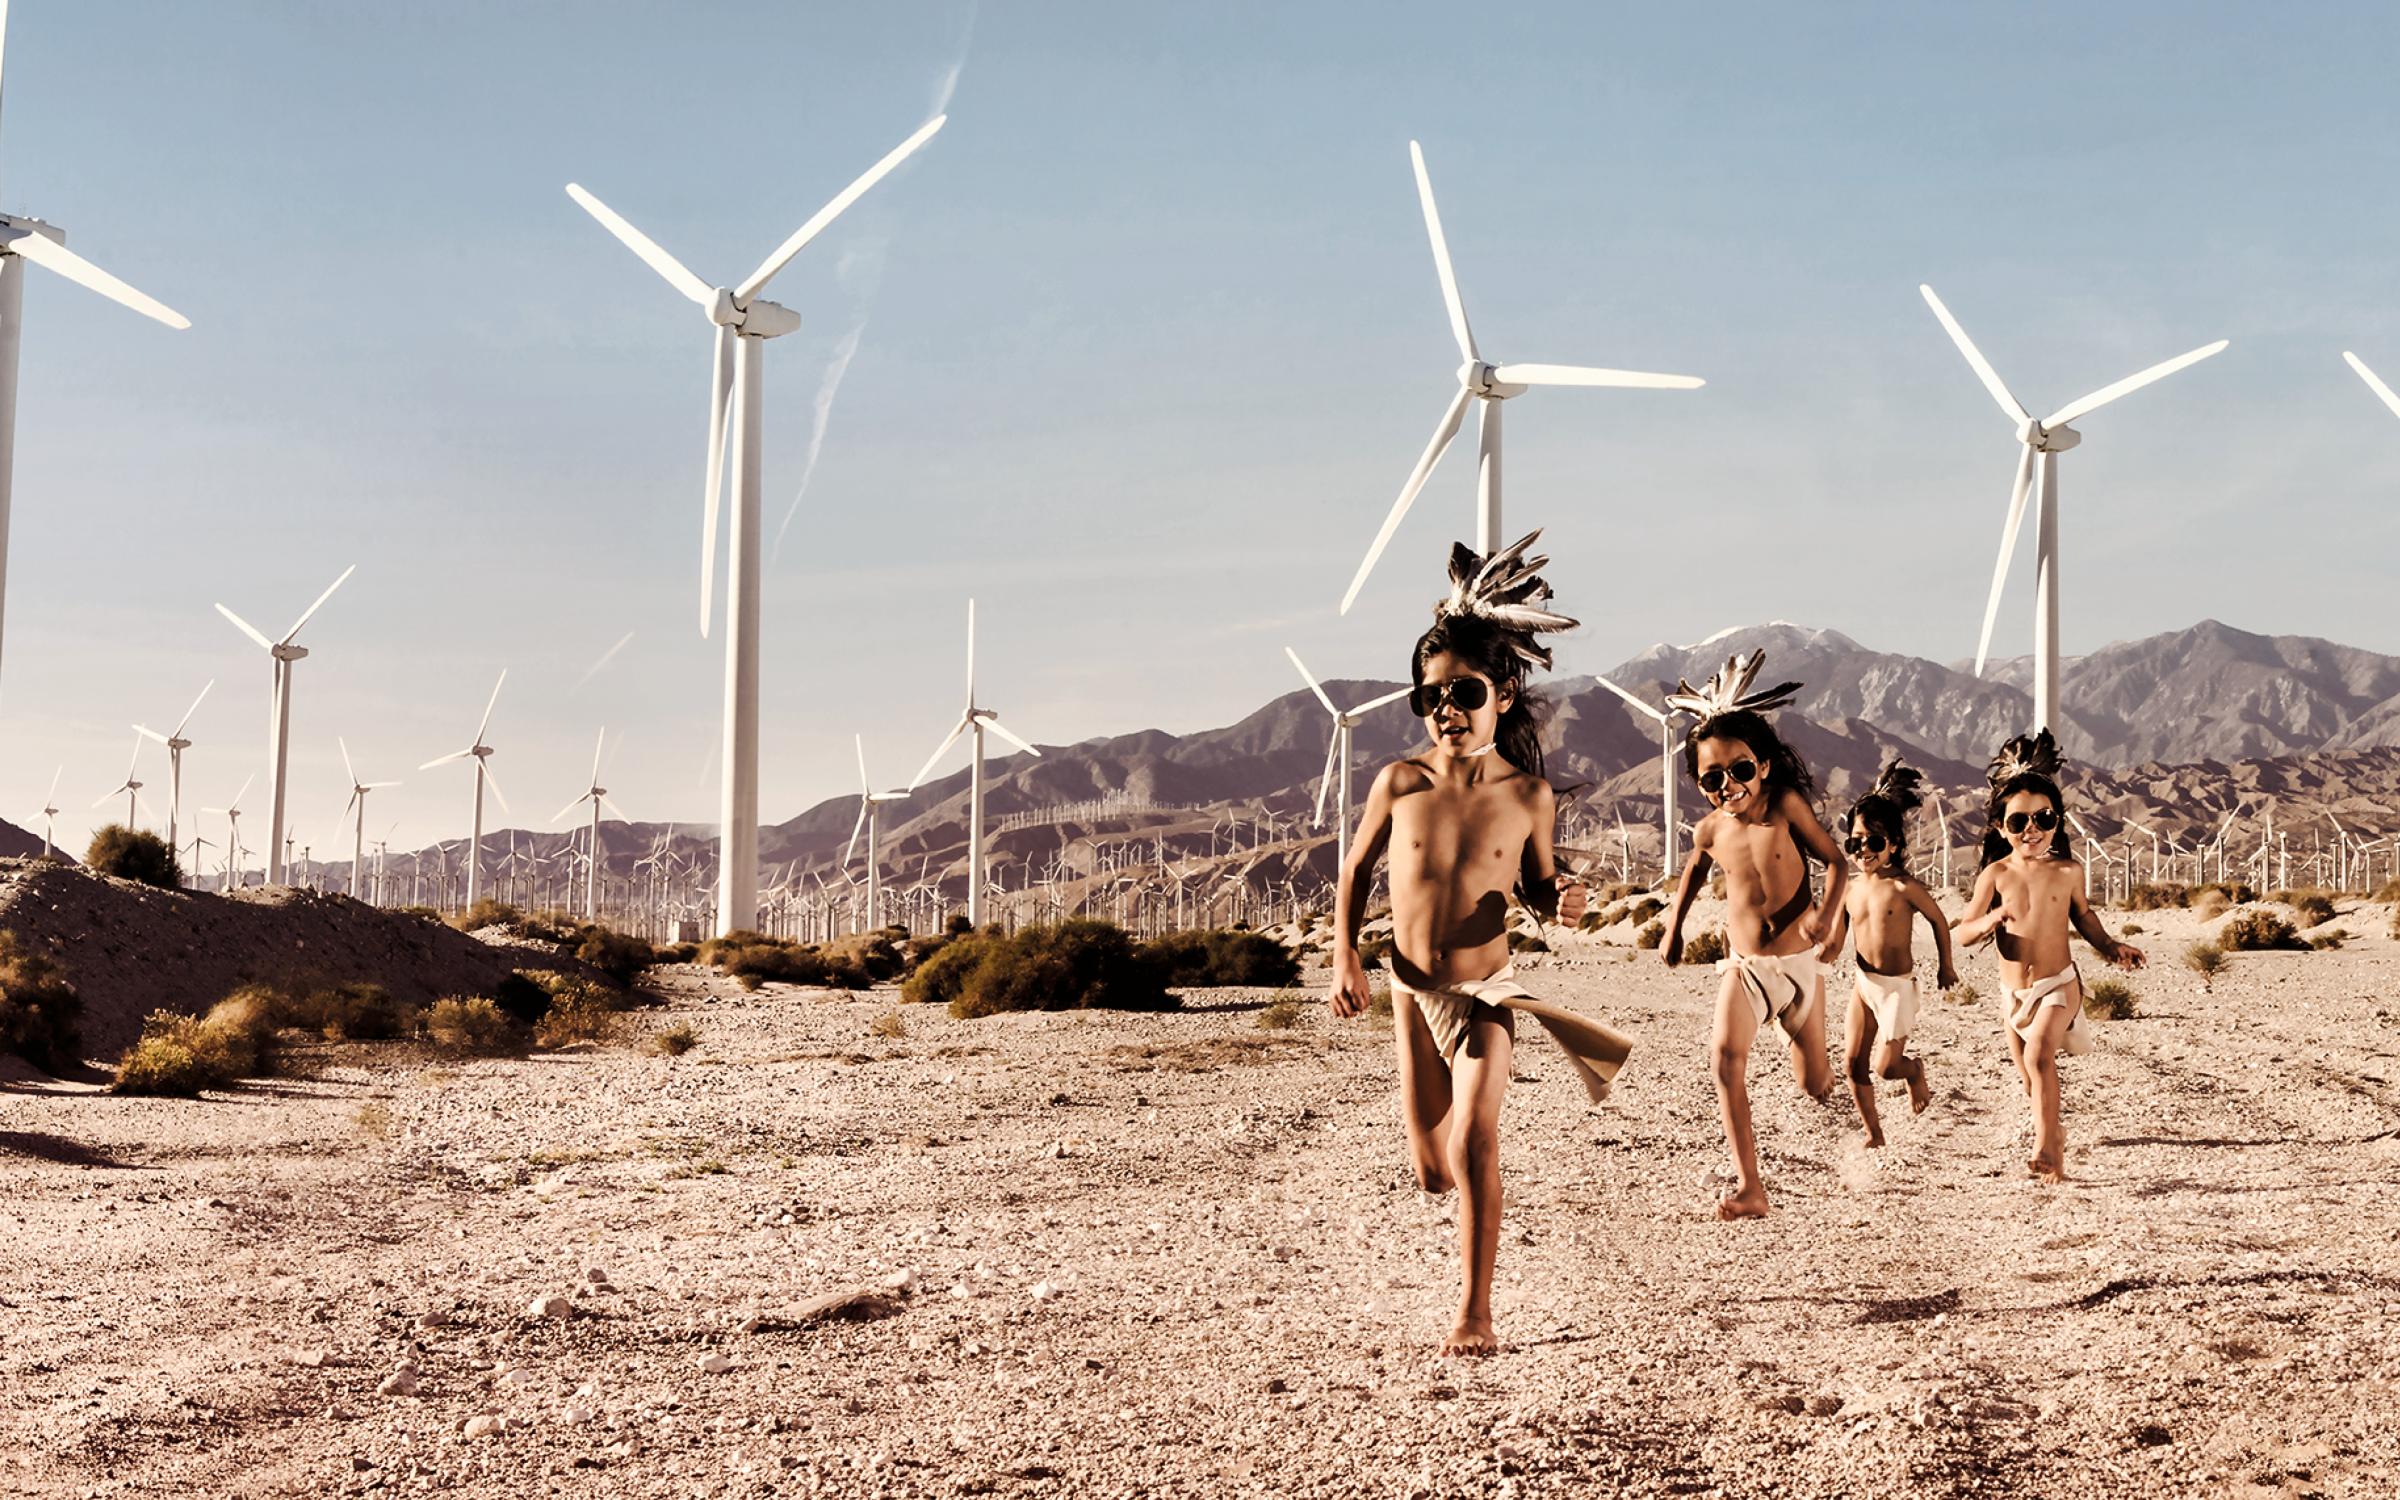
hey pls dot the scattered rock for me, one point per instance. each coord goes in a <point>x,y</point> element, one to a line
<point>552,1306</point>
<point>401,1382</point>
<point>713,1363</point>
<point>486,1425</point>
<point>1043,1291</point>
<point>858,1305</point>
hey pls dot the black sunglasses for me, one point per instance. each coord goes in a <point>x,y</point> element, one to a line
<point>1712,780</point>
<point>1466,694</point>
<point>1872,843</point>
<point>2045,820</point>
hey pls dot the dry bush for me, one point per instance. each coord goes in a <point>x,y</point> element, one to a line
<point>1521,940</point>
<point>522,997</point>
<point>177,1056</point>
<point>163,1067</point>
<point>678,953</point>
<point>752,960</point>
<point>40,1012</point>
<point>2205,959</point>
<point>677,1039</point>
<point>488,913</point>
<point>1640,912</point>
<point>2238,892</point>
<point>2256,931</point>
<point>2156,897</point>
<point>1283,1012</point>
<point>2109,1000</point>
<point>2133,929</point>
<point>578,1012</point>
<point>1965,993</point>
<point>1651,936</point>
<point>620,955</point>
<point>1705,948</point>
<point>1200,959</point>
<point>1379,1004</point>
<point>356,1012</point>
<point>2313,906</point>
<point>131,855</point>
<point>1074,965</point>
<point>2210,902</point>
<point>1375,952</point>
<point>468,1027</point>
<point>890,1024</point>
<point>2388,891</point>
<point>876,954</point>
<point>1204,1055</point>
<point>2330,938</point>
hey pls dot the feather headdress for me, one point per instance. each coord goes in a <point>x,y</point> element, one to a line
<point>1730,690</point>
<point>2036,754</point>
<point>1898,785</point>
<point>1505,591</point>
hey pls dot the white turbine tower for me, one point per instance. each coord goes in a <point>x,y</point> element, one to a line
<point>2037,475</point>
<point>1338,749</point>
<point>50,811</point>
<point>597,795</point>
<point>482,756</point>
<point>1489,385</point>
<point>744,322</point>
<point>26,239</point>
<point>357,806</point>
<point>1666,769</point>
<point>130,787</point>
<point>870,803</point>
<point>176,744</point>
<point>974,719</point>
<point>231,812</point>
<point>279,715</point>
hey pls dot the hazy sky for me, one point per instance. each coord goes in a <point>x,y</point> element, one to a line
<point>1144,344</point>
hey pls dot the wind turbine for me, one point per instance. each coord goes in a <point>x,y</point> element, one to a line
<point>176,744</point>
<point>130,787</point>
<point>232,813</point>
<point>482,754</point>
<point>597,795</point>
<point>744,322</point>
<point>2037,475</point>
<point>279,714</point>
<point>973,719</point>
<point>1666,771</point>
<point>50,807</point>
<point>1338,749</point>
<point>24,239</point>
<point>870,802</point>
<point>1489,385</point>
<point>358,827</point>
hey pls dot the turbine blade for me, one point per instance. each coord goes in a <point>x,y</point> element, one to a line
<point>488,705</point>
<point>244,792</point>
<point>939,751</point>
<point>720,413</point>
<point>108,796</point>
<point>1310,678</point>
<point>1325,777</point>
<point>1002,730</point>
<point>1982,367</point>
<point>54,775</point>
<point>2132,383</point>
<point>612,807</point>
<point>570,807</point>
<point>856,825</point>
<point>494,783</point>
<point>246,628</point>
<point>602,744</point>
<point>2008,550</point>
<point>195,708</point>
<point>642,245</point>
<point>1443,432</point>
<point>377,785</point>
<point>1441,257</point>
<point>443,760</point>
<point>320,604</point>
<point>1585,375</point>
<point>2374,383</point>
<point>45,251</point>
<point>970,655</point>
<point>859,741</point>
<point>833,210</point>
<point>1394,696</point>
<point>145,730</point>
<point>347,769</point>
<point>1649,709</point>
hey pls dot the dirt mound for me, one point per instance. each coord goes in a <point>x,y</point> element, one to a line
<point>131,949</point>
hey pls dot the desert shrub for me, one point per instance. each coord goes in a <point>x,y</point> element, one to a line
<point>578,1013</point>
<point>1379,1004</point>
<point>943,976</point>
<point>2238,892</point>
<point>874,954</point>
<point>356,1012</point>
<point>1198,959</point>
<point>619,955</point>
<point>1615,890</point>
<point>1524,940</point>
<point>1591,921</point>
<point>1705,948</point>
<point>552,926</point>
<point>890,1024</point>
<point>2133,929</point>
<point>2330,938</point>
<point>159,1065</point>
<point>2388,891</point>
<point>677,1039</point>
<point>2313,906</point>
<point>177,1055</point>
<point>2109,1000</point>
<point>2205,959</point>
<point>752,960</point>
<point>1374,952</point>
<point>422,913</point>
<point>131,855</point>
<point>1073,965</point>
<point>957,924</point>
<point>470,1027</point>
<point>2210,903</point>
<point>487,913</point>
<point>1283,1012</point>
<point>1965,993</point>
<point>521,997</point>
<point>40,1012</point>
<point>678,953</point>
<point>2257,930</point>
<point>1651,936</point>
<point>1642,911</point>
<point>2156,897</point>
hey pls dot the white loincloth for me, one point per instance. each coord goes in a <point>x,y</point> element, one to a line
<point>1892,1000</point>
<point>1597,1051</point>
<point>2025,1007</point>
<point>1782,986</point>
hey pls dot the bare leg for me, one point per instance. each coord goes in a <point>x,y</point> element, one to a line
<point>1859,1047</point>
<point>1729,1049</point>
<point>1424,1094</point>
<point>2041,1065</point>
<point>1809,1063</point>
<point>1896,1063</point>
<point>1474,1160</point>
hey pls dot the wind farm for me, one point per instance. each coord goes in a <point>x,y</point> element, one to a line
<point>1129,1099</point>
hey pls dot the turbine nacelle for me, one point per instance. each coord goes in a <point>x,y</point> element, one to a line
<point>758,318</point>
<point>2042,439</point>
<point>287,652</point>
<point>1484,380</point>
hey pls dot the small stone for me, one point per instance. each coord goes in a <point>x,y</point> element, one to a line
<point>552,1306</point>
<point>1276,1385</point>
<point>596,1276</point>
<point>432,1319</point>
<point>714,1364</point>
<point>487,1425</point>
<point>401,1382</point>
<point>1043,1291</point>
<point>902,1281</point>
<point>315,1359</point>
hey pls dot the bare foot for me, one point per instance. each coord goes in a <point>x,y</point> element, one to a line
<point>1920,1093</point>
<point>1874,1140</point>
<point>1751,1204</point>
<point>1472,1338</point>
<point>2046,1169</point>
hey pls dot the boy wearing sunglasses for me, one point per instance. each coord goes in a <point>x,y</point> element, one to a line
<point>1467,821</point>
<point>1763,834</point>
<point>1882,907</point>
<point>2029,897</point>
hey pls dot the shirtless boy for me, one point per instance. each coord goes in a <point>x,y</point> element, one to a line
<point>1763,834</point>
<point>1881,909</point>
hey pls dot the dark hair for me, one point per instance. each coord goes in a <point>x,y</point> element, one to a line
<point>1784,768</point>
<point>1486,649</point>
<point>2027,763</point>
<point>1885,809</point>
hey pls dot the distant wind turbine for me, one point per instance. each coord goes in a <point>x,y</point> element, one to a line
<point>1666,770</point>
<point>279,714</point>
<point>597,795</point>
<point>176,744</point>
<point>231,812</point>
<point>130,787</point>
<point>357,806</point>
<point>975,719</point>
<point>481,753</point>
<point>744,321</point>
<point>50,801</point>
<point>1337,750</point>
<point>2037,475</point>
<point>870,804</point>
<point>1489,385</point>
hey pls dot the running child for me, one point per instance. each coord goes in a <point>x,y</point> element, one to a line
<point>1882,907</point>
<point>2028,896</point>
<point>1467,821</point>
<point>1763,833</point>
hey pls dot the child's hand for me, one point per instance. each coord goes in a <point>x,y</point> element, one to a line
<point>1948,978</point>
<point>1813,923</point>
<point>1572,899</point>
<point>1350,996</point>
<point>1672,949</point>
<point>2127,956</point>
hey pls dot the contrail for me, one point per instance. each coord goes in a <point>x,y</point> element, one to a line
<point>826,390</point>
<point>605,658</point>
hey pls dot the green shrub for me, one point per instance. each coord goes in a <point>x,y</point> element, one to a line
<point>1284,1011</point>
<point>356,1012</point>
<point>1192,960</point>
<point>677,1039</point>
<point>1074,965</point>
<point>620,955</point>
<point>1651,936</point>
<point>40,1012</point>
<point>131,855</point>
<point>943,976</point>
<point>487,913</point>
<point>160,1066</point>
<point>2313,906</point>
<point>875,954</point>
<point>2257,930</point>
<point>2205,959</point>
<point>578,1013</point>
<point>1705,948</point>
<point>470,1027</point>
<point>678,953</point>
<point>2109,1000</point>
<point>177,1055</point>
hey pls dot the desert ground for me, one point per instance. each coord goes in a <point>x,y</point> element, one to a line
<point>1087,1254</point>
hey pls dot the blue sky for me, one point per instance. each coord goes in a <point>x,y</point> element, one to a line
<point>1145,342</point>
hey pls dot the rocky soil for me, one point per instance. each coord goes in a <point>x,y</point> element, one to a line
<point>1088,1254</point>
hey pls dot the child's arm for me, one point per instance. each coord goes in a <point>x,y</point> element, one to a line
<point>1695,878</point>
<point>2123,955</point>
<point>1973,929</point>
<point>1350,996</point>
<point>1931,911</point>
<point>1812,835</point>
<point>1538,880</point>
